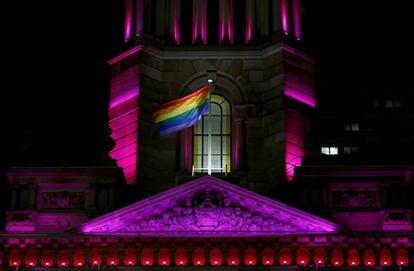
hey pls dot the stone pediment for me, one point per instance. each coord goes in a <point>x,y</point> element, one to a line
<point>208,206</point>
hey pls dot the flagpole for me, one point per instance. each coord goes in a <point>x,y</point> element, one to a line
<point>209,127</point>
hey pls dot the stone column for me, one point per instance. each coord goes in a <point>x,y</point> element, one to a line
<point>284,10</point>
<point>174,22</point>
<point>238,138</point>
<point>262,18</point>
<point>128,19</point>
<point>277,18</point>
<point>139,20</point>
<point>161,19</point>
<point>297,31</point>
<point>250,20</point>
<point>199,21</point>
<point>226,21</point>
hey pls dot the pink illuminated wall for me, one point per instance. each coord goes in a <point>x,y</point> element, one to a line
<point>296,127</point>
<point>123,120</point>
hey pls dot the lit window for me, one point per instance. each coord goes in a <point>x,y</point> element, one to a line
<point>392,103</point>
<point>329,150</point>
<point>351,126</point>
<point>351,150</point>
<point>220,138</point>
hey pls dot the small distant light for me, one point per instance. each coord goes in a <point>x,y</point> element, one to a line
<point>267,262</point>
<point>129,262</point>
<point>284,262</point>
<point>63,263</point>
<point>14,263</point>
<point>164,262</point>
<point>47,263</point>
<point>198,262</point>
<point>286,33</point>
<point>250,262</point>
<point>79,264</point>
<point>147,263</point>
<point>319,261</point>
<point>401,263</point>
<point>353,263</point>
<point>385,263</point>
<point>31,264</point>
<point>112,262</point>
<point>336,263</point>
<point>181,262</point>
<point>95,262</point>
<point>369,263</point>
<point>215,262</point>
<point>233,262</point>
<point>210,80</point>
<point>302,262</point>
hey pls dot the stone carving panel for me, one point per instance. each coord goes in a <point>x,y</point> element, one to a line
<point>397,219</point>
<point>206,211</point>
<point>20,219</point>
<point>354,199</point>
<point>63,200</point>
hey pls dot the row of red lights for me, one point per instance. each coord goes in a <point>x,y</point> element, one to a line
<point>216,257</point>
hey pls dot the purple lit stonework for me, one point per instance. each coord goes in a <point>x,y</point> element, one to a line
<point>208,207</point>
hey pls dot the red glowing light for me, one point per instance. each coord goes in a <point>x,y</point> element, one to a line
<point>79,264</point>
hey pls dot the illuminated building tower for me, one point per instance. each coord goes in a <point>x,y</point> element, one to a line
<point>263,90</point>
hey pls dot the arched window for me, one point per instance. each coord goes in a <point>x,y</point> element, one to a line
<point>220,138</point>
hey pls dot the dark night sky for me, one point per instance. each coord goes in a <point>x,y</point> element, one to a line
<point>56,84</point>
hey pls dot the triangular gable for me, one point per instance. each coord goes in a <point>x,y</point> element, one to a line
<point>208,206</point>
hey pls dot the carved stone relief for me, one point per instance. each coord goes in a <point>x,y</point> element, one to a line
<point>63,200</point>
<point>353,198</point>
<point>206,211</point>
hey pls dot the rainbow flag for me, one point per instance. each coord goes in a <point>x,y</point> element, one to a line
<point>181,113</point>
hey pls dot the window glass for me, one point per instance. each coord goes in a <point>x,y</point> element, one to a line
<point>220,138</point>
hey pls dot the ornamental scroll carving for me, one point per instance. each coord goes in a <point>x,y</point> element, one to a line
<point>352,198</point>
<point>206,211</point>
<point>63,200</point>
<point>20,219</point>
<point>397,217</point>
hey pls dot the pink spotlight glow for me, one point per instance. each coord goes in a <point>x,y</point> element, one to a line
<point>302,95</point>
<point>200,20</point>
<point>285,20</point>
<point>296,20</point>
<point>204,21</point>
<point>128,19</point>
<point>230,22</point>
<point>248,23</point>
<point>177,21</point>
